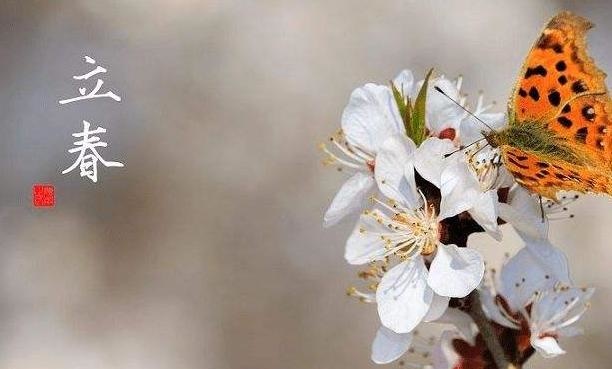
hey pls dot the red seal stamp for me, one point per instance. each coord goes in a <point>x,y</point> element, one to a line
<point>43,196</point>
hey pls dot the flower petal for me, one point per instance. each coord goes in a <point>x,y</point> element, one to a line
<point>403,296</point>
<point>389,346</point>
<point>395,156</point>
<point>471,130</point>
<point>462,321</point>
<point>365,245</point>
<point>550,259</point>
<point>439,304</point>
<point>534,268</point>
<point>559,308</point>
<point>491,309</point>
<point>404,82</point>
<point>455,271</point>
<point>441,112</point>
<point>429,158</point>
<point>459,188</point>
<point>547,347</point>
<point>524,213</point>
<point>370,117</point>
<point>349,199</point>
<point>484,212</point>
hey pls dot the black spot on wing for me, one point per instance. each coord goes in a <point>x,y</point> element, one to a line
<point>588,112</point>
<point>561,66</point>
<point>511,160</point>
<point>562,80</point>
<point>534,94</point>
<point>545,42</point>
<point>522,92</point>
<point>566,109</point>
<point>575,58</point>
<point>564,122</point>
<point>537,71</point>
<point>581,134</point>
<point>579,87</point>
<point>520,177</point>
<point>554,98</point>
<point>548,42</point>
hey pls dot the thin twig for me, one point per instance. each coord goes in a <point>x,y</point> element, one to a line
<point>488,334</point>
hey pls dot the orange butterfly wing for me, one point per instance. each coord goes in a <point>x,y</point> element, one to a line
<point>546,178</point>
<point>561,88</point>
<point>586,122</point>
<point>556,70</point>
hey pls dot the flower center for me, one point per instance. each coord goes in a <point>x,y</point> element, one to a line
<point>422,225</point>
<point>447,133</point>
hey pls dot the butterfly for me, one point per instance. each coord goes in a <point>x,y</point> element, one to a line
<point>559,135</point>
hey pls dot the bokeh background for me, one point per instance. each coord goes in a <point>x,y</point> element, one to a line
<point>207,250</point>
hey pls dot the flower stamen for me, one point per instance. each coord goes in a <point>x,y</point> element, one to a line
<point>347,156</point>
<point>411,232</point>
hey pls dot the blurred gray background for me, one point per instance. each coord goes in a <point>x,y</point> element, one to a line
<point>206,250</point>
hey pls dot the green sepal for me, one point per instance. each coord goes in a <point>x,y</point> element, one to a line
<point>403,105</point>
<point>417,124</point>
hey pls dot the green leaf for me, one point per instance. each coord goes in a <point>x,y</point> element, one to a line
<point>418,113</point>
<point>403,105</point>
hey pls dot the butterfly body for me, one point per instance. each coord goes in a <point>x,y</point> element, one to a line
<point>559,135</point>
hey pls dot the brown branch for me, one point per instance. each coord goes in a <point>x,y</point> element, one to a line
<point>487,332</point>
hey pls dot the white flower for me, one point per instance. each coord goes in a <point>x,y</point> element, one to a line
<point>469,182</point>
<point>369,119</point>
<point>429,160</point>
<point>536,267</point>
<point>396,179</point>
<point>399,158</point>
<point>533,288</point>
<point>445,119</point>
<point>388,346</point>
<point>554,314</point>
<point>469,179</point>
<point>372,116</point>
<point>407,228</point>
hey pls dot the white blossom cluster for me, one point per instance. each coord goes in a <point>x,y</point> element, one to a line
<point>411,192</point>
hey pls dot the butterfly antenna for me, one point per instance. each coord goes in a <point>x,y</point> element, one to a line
<point>464,109</point>
<point>464,147</point>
